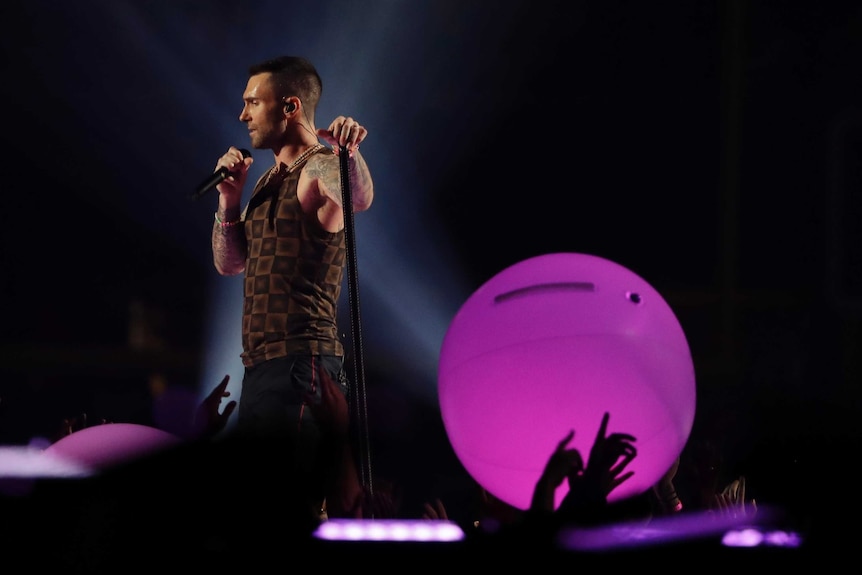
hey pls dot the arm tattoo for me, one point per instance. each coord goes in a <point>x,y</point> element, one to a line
<point>359,175</point>
<point>327,170</point>
<point>229,248</point>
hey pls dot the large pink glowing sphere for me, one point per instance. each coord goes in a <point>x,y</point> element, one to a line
<point>550,344</point>
<point>100,447</point>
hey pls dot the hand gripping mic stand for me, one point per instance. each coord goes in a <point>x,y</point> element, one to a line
<point>358,400</point>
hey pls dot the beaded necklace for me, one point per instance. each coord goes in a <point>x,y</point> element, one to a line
<point>302,157</point>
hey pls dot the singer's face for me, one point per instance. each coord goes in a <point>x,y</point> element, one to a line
<point>262,113</point>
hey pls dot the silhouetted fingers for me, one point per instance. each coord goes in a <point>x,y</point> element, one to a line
<point>565,441</point>
<point>603,428</point>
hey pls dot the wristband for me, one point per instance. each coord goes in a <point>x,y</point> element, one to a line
<point>229,224</point>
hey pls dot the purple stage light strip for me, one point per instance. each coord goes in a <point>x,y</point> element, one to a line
<point>34,462</point>
<point>21,466</point>
<point>412,530</point>
<point>733,531</point>
<point>759,537</point>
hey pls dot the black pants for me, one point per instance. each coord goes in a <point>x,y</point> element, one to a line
<point>273,411</point>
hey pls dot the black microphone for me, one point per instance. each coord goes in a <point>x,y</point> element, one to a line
<point>213,180</point>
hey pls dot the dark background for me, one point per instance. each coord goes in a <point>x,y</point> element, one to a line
<point>710,147</point>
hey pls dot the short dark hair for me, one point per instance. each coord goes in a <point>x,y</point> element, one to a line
<point>292,76</point>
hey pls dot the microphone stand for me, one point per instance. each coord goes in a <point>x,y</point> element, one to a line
<point>359,403</point>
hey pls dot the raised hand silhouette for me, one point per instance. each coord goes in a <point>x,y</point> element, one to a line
<point>605,470</point>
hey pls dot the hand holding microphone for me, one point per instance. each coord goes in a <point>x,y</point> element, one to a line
<point>222,172</point>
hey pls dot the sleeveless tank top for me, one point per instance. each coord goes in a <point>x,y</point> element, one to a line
<point>293,276</point>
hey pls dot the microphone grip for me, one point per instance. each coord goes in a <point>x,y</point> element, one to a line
<point>214,179</point>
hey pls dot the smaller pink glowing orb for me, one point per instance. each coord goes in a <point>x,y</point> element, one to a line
<point>100,447</point>
<point>549,345</point>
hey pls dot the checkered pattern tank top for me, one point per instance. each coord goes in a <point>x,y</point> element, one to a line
<point>293,276</point>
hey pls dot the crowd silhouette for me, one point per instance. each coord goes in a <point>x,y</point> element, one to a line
<point>213,490</point>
